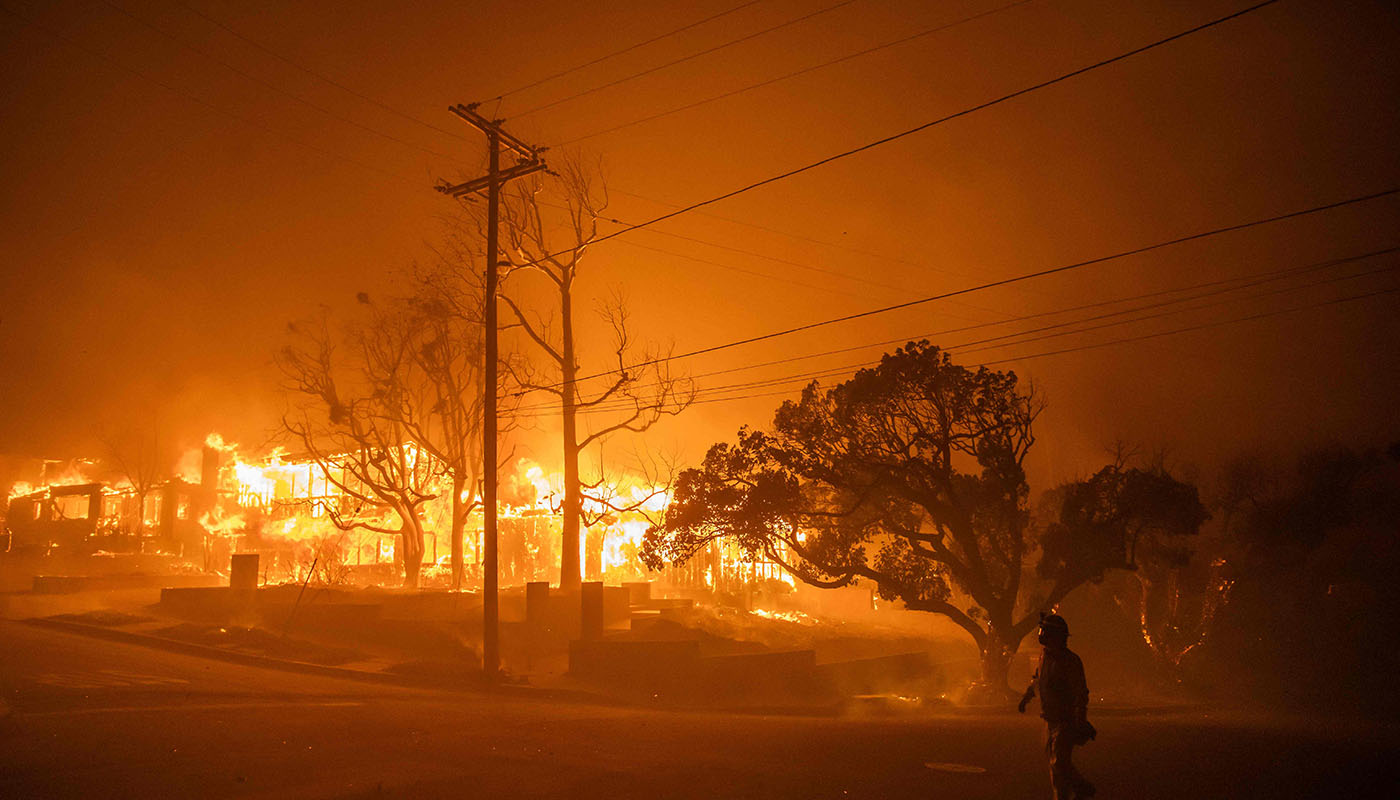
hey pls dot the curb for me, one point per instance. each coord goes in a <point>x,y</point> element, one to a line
<point>286,665</point>
<point>408,682</point>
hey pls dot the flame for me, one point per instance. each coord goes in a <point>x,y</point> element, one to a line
<point>621,543</point>
<point>277,480</point>
<point>75,474</point>
<point>786,616</point>
<point>293,503</point>
<point>219,523</point>
<point>216,442</point>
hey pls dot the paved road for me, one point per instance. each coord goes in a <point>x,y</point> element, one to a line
<point>90,718</point>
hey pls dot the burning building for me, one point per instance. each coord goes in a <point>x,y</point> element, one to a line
<point>309,519</point>
<point>300,508</point>
<point>72,514</point>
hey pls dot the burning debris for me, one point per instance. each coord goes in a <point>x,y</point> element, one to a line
<point>74,513</point>
<point>299,510</point>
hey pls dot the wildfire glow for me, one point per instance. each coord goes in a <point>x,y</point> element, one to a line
<point>297,510</point>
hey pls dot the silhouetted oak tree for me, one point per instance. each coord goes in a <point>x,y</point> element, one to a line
<point>911,475</point>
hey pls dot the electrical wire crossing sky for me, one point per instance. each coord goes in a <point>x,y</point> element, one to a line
<point>1145,209</point>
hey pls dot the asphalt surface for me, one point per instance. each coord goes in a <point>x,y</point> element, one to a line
<point>90,718</point>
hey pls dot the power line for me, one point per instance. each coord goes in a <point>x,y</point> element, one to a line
<point>380,104</point>
<point>380,170</point>
<point>330,154</point>
<point>740,270</point>
<point>824,271</point>
<point>322,77</point>
<point>805,70</point>
<point>1248,281</point>
<point>985,344</point>
<point>271,86</point>
<point>789,262</point>
<point>930,335</point>
<point>627,49</point>
<point>796,236</point>
<point>332,82</point>
<point>195,99</point>
<point>709,243</point>
<point>223,113</point>
<point>1093,345</point>
<point>1264,277</point>
<point>1222,287</point>
<point>1042,334</point>
<point>390,109</point>
<point>1008,281</point>
<point>925,126</point>
<point>918,128</point>
<point>328,80</point>
<point>836,273</point>
<point>1203,326</point>
<point>317,75</point>
<point>683,59</point>
<point>195,11</point>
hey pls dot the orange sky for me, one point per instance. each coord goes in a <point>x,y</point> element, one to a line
<point>160,231</point>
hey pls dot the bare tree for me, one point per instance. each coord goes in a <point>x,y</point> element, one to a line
<point>135,451</point>
<point>640,389</point>
<point>358,438</point>
<point>447,350</point>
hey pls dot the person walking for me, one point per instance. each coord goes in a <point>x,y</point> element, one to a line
<point>1064,705</point>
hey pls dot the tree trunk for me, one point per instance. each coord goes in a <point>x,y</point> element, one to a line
<point>570,566</point>
<point>411,539</point>
<point>459,524</point>
<point>996,667</point>
<point>996,663</point>
<point>570,570</point>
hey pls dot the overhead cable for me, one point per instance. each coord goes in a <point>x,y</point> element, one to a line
<point>1005,281</point>
<point>683,59</point>
<point>805,70</point>
<point>1221,287</point>
<point>627,49</point>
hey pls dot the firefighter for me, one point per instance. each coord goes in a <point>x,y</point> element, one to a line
<point>1064,704</point>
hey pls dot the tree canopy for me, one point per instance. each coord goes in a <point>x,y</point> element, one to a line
<point>911,475</point>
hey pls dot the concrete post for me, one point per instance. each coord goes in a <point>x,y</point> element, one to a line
<point>591,610</point>
<point>243,571</point>
<point>243,588</point>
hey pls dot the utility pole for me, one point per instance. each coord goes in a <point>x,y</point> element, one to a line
<point>527,161</point>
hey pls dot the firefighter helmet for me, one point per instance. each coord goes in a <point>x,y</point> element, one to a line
<point>1054,624</point>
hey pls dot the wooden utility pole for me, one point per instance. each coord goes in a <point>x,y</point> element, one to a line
<point>527,161</point>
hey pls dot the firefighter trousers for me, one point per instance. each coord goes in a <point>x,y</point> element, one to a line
<point>1059,748</point>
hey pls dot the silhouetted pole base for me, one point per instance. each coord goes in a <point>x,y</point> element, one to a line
<point>591,610</point>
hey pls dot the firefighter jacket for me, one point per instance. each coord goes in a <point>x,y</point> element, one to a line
<point>1064,695</point>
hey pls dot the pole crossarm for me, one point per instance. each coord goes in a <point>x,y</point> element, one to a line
<point>487,126</point>
<point>483,184</point>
